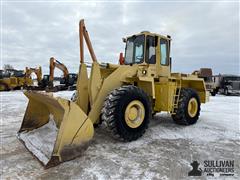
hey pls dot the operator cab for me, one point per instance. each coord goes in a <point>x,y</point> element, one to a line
<point>46,77</point>
<point>70,80</point>
<point>148,49</point>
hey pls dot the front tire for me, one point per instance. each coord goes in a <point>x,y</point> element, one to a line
<point>188,110</point>
<point>127,111</point>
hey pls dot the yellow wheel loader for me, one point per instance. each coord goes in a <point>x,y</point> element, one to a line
<point>8,83</point>
<point>124,95</point>
<point>23,79</point>
<point>24,82</point>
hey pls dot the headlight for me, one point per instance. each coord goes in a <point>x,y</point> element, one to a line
<point>144,72</point>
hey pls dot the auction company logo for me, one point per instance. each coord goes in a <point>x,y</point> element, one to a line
<point>213,168</point>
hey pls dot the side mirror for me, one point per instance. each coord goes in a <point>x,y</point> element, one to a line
<point>124,40</point>
<point>121,59</point>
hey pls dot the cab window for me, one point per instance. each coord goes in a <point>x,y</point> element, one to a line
<point>150,50</point>
<point>139,53</point>
<point>164,52</point>
<point>134,50</point>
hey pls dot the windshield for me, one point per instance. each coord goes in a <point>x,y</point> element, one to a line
<point>234,78</point>
<point>134,52</point>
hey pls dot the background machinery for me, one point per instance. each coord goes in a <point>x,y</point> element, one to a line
<point>68,79</point>
<point>12,79</point>
<point>37,72</point>
<point>227,84</point>
<point>7,82</point>
<point>124,96</point>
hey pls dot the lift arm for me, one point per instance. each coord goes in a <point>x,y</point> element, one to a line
<point>37,71</point>
<point>83,34</point>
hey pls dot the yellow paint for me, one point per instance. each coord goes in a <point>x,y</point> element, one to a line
<point>36,71</point>
<point>164,96</point>
<point>74,127</point>
<point>82,88</point>
<point>94,82</point>
<point>197,84</point>
<point>9,83</point>
<point>114,80</point>
<point>192,107</point>
<point>134,114</point>
<point>147,84</point>
<point>75,121</point>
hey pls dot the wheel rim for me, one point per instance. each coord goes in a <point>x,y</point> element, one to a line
<point>192,107</point>
<point>134,114</point>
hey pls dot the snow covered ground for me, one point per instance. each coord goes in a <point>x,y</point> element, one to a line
<point>164,152</point>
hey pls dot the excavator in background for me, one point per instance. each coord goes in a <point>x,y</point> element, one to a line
<point>67,80</point>
<point>207,75</point>
<point>12,79</point>
<point>124,96</point>
<point>42,82</point>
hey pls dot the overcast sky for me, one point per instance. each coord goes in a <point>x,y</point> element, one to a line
<point>204,34</point>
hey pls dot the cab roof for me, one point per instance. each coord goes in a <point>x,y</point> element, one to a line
<point>151,34</point>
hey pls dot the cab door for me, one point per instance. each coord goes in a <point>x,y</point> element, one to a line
<point>150,55</point>
<point>164,57</point>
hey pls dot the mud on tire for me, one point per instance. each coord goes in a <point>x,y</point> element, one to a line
<point>114,109</point>
<point>182,116</point>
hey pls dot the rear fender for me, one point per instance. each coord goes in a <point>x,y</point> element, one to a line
<point>198,85</point>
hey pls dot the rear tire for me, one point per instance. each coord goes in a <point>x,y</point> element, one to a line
<point>127,111</point>
<point>188,110</point>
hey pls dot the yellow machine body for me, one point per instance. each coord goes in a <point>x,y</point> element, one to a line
<point>12,82</point>
<point>8,83</point>
<point>29,71</point>
<point>71,123</point>
<point>24,81</point>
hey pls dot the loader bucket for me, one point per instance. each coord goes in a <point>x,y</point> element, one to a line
<point>54,130</point>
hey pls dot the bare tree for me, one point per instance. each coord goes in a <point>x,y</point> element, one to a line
<point>7,66</point>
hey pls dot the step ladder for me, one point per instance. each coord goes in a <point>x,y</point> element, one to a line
<point>176,96</point>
